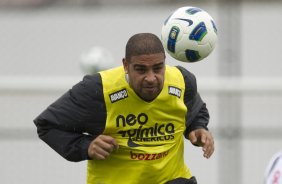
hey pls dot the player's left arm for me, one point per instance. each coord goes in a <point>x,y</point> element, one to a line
<point>197,118</point>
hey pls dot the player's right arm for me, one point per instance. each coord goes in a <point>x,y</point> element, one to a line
<point>72,122</point>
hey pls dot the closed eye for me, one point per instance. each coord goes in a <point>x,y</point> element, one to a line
<point>140,70</point>
<point>157,69</point>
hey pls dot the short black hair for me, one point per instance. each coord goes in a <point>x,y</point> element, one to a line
<point>143,43</point>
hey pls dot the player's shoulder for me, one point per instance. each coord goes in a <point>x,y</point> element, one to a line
<point>277,156</point>
<point>274,166</point>
<point>185,72</point>
<point>91,85</point>
<point>189,77</point>
<point>92,79</point>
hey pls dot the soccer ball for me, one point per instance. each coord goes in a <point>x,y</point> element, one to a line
<point>189,34</point>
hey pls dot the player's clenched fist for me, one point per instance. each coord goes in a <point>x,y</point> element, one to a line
<point>101,147</point>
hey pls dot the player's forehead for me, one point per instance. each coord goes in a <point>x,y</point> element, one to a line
<point>148,60</point>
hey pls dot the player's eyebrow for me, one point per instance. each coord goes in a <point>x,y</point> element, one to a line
<point>144,66</point>
<point>139,66</point>
<point>159,64</point>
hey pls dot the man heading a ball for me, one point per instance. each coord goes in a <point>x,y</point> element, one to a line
<point>129,121</point>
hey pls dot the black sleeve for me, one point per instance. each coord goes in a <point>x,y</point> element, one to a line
<point>197,115</point>
<point>74,120</point>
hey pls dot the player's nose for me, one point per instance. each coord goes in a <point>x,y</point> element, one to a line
<point>150,77</point>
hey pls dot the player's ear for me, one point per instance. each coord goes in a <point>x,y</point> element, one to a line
<point>125,65</point>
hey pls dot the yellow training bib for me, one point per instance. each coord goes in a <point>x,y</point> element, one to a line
<point>149,134</point>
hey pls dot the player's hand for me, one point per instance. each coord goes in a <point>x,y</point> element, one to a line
<point>203,138</point>
<point>101,147</point>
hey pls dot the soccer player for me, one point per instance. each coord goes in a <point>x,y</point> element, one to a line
<point>129,122</point>
<point>273,173</point>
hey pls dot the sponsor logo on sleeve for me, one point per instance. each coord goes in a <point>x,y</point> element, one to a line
<point>118,95</point>
<point>174,91</point>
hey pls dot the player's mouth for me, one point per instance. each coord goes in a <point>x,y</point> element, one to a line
<point>150,89</point>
